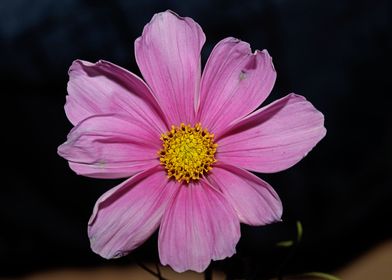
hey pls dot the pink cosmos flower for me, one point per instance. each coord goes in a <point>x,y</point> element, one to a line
<point>186,141</point>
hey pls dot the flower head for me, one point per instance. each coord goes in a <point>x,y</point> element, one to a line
<point>185,141</point>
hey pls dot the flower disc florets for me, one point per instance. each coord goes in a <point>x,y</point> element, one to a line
<point>188,152</point>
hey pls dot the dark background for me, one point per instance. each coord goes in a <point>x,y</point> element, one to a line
<point>336,53</point>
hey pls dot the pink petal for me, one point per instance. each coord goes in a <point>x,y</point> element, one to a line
<point>273,138</point>
<point>104,88</point>
<point>199,225</point>
<point>110,146</point>
<point>127,215</point>
<point>254,200</point>
<point>234,83</point>
<point>168,55</point>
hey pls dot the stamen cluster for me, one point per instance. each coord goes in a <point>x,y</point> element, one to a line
<point>188,152</point>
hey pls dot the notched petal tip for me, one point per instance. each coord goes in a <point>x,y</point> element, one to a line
<point>106,254</point>
<point>269,57</point>
<point>235,41</point>
<point>83,67</point>
<point>279,211</point>
<point>244,47</point>
<point>171,12</point>
<point>323,129</point>
<point>90,68</point>
<point>266,57</point>
<point>65,148</point>
<point>61,150</point>
<point>78,64</point>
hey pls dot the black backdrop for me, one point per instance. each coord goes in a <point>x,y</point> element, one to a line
<point>335,53</point>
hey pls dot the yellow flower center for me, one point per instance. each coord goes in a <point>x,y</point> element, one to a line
<point>188,152</point>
